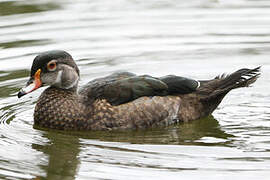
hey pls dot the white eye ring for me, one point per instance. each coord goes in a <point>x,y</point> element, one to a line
<point>51,66</point>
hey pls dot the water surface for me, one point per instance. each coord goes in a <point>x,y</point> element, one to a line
<point>198,39</point>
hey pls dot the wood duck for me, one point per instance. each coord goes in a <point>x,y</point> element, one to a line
<point>122,100</point>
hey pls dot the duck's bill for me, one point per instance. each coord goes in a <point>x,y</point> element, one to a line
<point>33,84</point>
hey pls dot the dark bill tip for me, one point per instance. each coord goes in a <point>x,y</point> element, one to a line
<point>21,93</point>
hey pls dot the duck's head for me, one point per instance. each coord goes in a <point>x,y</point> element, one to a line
<point>53,68</point>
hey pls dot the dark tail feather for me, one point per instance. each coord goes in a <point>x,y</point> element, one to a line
<point>217,88</point>
<point>208,96</point>
<point>211,92</point>
<point>240,78</point>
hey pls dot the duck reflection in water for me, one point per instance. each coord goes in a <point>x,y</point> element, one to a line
<point>64,148</point>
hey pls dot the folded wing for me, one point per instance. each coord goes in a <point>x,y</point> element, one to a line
<point>119,88</point>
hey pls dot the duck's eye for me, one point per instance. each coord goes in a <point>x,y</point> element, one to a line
<point>51,66</point>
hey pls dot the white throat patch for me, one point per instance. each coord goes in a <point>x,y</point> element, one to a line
<point>59,77</point>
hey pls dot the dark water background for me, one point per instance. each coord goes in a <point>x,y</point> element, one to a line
<point>196,38</point>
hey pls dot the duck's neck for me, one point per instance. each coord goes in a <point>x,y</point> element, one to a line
<point>73,89</point>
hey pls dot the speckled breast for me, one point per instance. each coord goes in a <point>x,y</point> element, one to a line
<point>58,109</point>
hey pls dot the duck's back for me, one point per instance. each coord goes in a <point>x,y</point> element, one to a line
<point>123,87</point>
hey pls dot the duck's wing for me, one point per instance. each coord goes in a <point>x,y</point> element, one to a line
<point>128,89</point>
<point>120,88</point>
<point>179,84</point>
<point>95,88</point>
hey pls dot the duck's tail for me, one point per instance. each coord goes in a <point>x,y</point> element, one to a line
<point>213,91</point>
